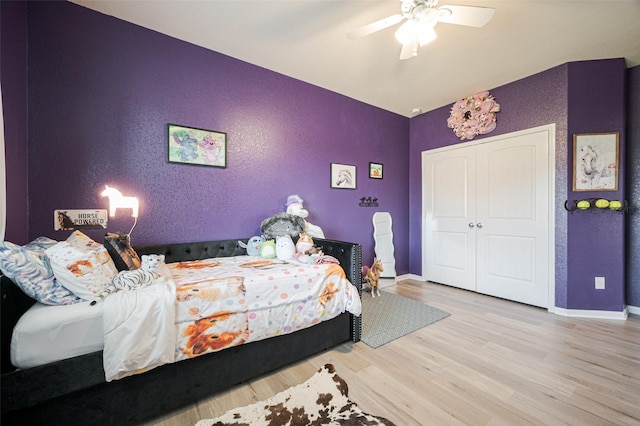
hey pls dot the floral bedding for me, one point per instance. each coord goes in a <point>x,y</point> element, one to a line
<point>224,302</point>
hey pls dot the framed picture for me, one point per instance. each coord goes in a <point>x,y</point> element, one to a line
<point>595,161</point>
<point>189,145</point>
<point>343,176</point>
<point>375,170</point>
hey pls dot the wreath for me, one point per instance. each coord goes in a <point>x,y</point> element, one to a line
<point>473,115</point>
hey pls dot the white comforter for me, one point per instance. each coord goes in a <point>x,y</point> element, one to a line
<point>139,330</point>
<point>198,307</point>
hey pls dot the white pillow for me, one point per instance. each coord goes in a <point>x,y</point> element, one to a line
<point>81,265</point>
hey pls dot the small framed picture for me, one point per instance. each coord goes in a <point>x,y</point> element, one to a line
<point>343,176</point>
<point>189,145</point>
<point>375,170</point>
<point>595,162</point>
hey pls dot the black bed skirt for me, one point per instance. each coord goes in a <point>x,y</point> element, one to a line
<point>138,399</point>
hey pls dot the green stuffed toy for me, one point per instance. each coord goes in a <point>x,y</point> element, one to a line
<point>268,249</point>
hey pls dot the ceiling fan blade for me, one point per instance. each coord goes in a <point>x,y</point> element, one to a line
<point>471,16</point>
<point>375,26</point>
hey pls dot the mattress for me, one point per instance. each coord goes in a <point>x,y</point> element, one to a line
<point>46,333</point>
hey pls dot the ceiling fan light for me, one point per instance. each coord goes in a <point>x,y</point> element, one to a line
<point>426,35</point>
<point>407,32</point>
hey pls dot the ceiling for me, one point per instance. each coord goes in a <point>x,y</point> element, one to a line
<point>306,40</point>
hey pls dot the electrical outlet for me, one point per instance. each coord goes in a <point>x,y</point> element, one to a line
<point>599,283</point>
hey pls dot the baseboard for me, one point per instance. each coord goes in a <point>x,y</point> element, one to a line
<point>386,282</point>
<point>582,313</point>
<point>410,277</point>
<point>577,313</point>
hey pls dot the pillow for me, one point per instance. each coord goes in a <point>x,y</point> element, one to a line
<point>82,265</point>
<point>121,252</point>
<point>28,267</point>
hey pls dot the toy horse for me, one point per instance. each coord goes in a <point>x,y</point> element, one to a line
<point>117,200</point>
<point>373,276</point>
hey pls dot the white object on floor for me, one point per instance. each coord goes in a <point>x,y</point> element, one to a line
<point>383,237</point>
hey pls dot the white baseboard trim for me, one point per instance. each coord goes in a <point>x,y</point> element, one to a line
<point>410,277</point>
<point>581,313</point>
<point>576,313</point>
<point>385,282</point>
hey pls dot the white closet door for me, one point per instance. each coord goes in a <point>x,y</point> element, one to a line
<point>487,217</point>
<point>513,208</point>
<point>450,237</point>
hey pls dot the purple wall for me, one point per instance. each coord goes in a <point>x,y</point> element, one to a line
<point>101,92</point>
<point>597,238</point>
<point>13,36</point>
<point>579,98</point>
<point>633,187</point>
<point>534,101</point>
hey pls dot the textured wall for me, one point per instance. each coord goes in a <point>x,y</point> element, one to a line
<point>101,92</point>
<point>534,101</point>
<point>633,187</point>
<point>596,238</point>
<point>579,97</point>
<point>13,36</point>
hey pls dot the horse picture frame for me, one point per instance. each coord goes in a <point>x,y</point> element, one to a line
<point>343,176</point>
<point>595,161</point>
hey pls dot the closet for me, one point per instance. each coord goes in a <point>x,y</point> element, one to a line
<point>487,209</point>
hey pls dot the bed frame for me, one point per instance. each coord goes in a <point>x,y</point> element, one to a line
<point>74,390</point>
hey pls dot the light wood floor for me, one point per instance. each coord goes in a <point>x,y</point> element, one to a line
<point>492,362</point>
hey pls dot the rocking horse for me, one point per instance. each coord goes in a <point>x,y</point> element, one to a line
<point>372,275</point>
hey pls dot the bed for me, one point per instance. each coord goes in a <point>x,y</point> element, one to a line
<point>75,389</point>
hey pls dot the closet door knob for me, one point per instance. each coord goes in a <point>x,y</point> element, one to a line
<point>471,225</point>
<point>479,225</point>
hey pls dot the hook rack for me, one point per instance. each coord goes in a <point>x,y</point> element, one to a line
<point>597,204</point>
<point>368,202</point>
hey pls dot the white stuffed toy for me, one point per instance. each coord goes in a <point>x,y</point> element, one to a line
<point>294,207</point>
<point>285,248</point>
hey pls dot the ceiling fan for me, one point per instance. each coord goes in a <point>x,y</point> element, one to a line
<point>420,17</point>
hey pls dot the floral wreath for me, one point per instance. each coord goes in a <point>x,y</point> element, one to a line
<point>473,115</point>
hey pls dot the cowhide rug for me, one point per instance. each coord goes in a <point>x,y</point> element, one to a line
<point>321,400</point>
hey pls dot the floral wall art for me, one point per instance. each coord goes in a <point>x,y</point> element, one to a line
<point>473,115</point>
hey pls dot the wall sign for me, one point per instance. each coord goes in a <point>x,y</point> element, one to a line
<point>79,219</point>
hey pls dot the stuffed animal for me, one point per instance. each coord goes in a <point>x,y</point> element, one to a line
<point>294,207</point>
<point>253,245</point>
<point>137,278</point>
<point>268,249</point>
<point>284,247</point>
<point>305,242</point>
<point>282,224</point>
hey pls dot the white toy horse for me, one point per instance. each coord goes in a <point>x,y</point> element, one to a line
<point>119,201</point>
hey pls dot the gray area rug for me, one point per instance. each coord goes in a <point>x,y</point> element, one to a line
<point>389,317</point>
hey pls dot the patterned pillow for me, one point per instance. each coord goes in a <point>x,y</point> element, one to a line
<point>82,265</point>
<point>123,255</point>
<point>28,267</point>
